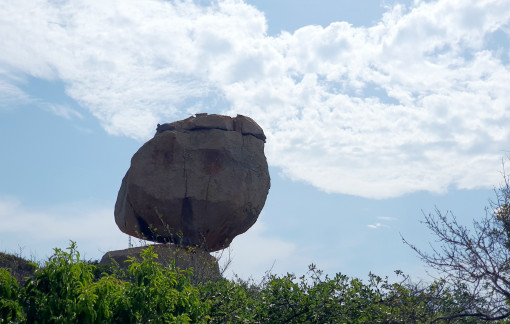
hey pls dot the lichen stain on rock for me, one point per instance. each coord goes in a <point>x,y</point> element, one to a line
<point>213,161</point>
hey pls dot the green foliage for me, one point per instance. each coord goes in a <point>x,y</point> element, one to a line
<point>69,290</point>
<point>10,309</point>
<point>315,298</point>
<point>159,295</point>
<point>63,291</point>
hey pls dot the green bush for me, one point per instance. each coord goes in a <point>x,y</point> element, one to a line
<point>69,290</point>
<point>63,291</point>
<point>315,298</point>
<point>10,309</point>
<point>159,295</point>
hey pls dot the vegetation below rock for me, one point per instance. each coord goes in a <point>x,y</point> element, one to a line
<point>69,290</point>
<point>475,287</point>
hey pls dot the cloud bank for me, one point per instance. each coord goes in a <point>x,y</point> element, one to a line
<point>38,232</point>
<point>418,101</point>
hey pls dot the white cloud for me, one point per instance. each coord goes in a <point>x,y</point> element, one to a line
<point>37,232</point>
<point>11,95</point>
<point>64,111</point>
<point>386,218</point>
<point>377,225</point>
<point>254,253</point>
<point>382,225</point>
<point>416,102</point>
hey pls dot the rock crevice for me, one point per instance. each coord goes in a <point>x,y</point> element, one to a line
<point>242,124</point>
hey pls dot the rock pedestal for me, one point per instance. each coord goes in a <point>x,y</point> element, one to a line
<point>205,267</point>
<point>200,182</point>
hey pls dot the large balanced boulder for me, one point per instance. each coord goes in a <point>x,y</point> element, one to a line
<point>200,181</point>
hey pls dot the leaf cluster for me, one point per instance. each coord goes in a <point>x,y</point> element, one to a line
<point>317,298</point>
<point>67,289</point>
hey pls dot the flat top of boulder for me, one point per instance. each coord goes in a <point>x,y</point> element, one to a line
<point>243,124</point>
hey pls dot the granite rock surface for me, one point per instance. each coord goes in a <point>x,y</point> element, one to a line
<point>200,181</point>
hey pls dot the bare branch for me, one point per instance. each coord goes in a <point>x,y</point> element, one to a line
<point>477,256</point>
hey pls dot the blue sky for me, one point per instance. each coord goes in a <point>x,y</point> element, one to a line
<point>374,111</point>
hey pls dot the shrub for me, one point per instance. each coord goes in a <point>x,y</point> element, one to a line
<point>159,295</point>
<point>69,290</point>
<point>10,309</point>
<point>63,291</point>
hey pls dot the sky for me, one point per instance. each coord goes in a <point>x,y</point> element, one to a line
<point>375,112</point>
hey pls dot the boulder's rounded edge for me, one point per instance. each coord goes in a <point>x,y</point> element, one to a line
<point>248,126</point>
<point>200,181</point>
